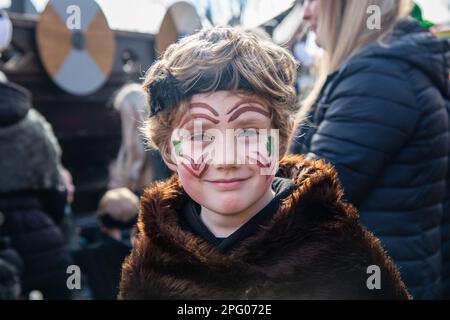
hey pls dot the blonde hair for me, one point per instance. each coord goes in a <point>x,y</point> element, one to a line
<point>132,167</point>
<point>211,54</point>
<point>121,204</point>
<point>343,31</point>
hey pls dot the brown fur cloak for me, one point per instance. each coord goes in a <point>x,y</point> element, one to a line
<point>312,248</point>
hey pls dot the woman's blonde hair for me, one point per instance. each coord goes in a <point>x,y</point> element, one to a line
<point>132,168</point>
<point>210,56</point>
<point>343,30</point>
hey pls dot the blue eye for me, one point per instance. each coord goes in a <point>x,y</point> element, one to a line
<point>247,133</point>
<point>202,137</point>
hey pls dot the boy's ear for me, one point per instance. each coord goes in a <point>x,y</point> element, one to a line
<point>168,160</point>
<point>291,125</point>
<point>170,165</point>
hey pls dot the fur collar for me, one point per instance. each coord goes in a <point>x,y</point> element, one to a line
<point>313,236</point>
<point>316,186</point>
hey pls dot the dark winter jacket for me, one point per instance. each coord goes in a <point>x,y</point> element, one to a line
<point>312,248</point>
<point>382,121</point>
<point>101,263</point>
<point>40,243</point>
<point>32,197</point>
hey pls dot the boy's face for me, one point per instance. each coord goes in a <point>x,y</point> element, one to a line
<point>225,151</point>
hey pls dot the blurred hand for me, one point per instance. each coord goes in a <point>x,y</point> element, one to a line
<point>68,183</point>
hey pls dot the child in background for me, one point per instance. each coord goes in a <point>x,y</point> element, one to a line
<point>101,262</point>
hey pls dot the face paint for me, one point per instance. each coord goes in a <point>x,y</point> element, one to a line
<point>188,155</point>
<point>240,109</point>
<point>177,146</point>
<point>204,106</point>
<point>260,160</point>
<point>261,151</point>
<point>269,145</point>
<point>231,128</point>
<point>197,169</point>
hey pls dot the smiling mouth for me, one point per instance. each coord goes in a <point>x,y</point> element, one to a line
<point>228,184</point>
<point>228,180</point>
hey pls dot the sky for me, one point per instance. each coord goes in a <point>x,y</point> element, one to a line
<point>135,14</point>
<point>437,11</point>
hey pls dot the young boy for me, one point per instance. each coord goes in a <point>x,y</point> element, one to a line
<point>233,222</point>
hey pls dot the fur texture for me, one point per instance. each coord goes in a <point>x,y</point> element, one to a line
<point>30,156</point>
<point>313,248</point>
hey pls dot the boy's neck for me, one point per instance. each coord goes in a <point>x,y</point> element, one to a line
<point>224,225</point>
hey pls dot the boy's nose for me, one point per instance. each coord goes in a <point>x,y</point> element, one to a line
<point>225,167</point>
<point>226,159</point>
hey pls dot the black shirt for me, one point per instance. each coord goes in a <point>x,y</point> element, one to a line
<point>191,221</point>
<point>101,263</point>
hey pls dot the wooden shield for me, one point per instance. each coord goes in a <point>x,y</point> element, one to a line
<point>181,19</point>
<point>76,46</point>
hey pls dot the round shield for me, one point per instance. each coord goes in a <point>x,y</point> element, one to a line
<point>76,46</point>
<point>181,19</point>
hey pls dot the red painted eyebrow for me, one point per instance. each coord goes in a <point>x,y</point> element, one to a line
<point>238,110</point>
<point>204,116</point>
<point>242,110</point>
<point>245,101</point>
<point>201,115</point>
<point>204,106</point>
<point>197,116</point>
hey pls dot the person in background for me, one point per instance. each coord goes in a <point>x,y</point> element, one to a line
<point>134,167</point>
<point>67,224</point>
<point>101,262</point>
<point>5,36</point>
<point>379,115</point>
<point>9,281</point>
<point>11,268</point>
<point>32,193</point>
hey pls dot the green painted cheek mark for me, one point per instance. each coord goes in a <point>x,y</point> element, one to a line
<point>269,145</point>
<point>177,146</point>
